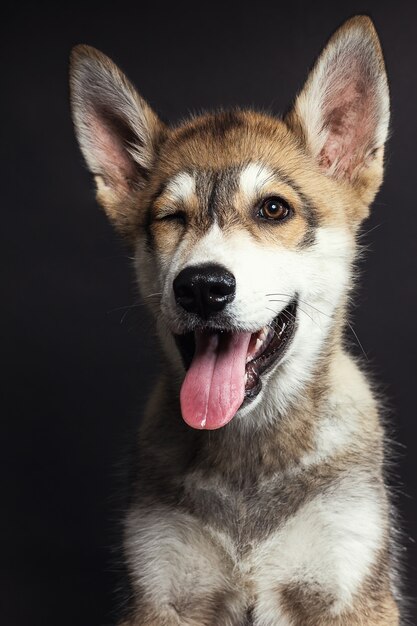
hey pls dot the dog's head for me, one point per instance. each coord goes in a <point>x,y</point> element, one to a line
<point>243,225</point>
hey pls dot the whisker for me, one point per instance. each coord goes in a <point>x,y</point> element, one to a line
<point>273,330</point>
<point>134,306</point>
<point>270,325</point>
<point>357,339</point>
<point>289,313</point>
<point>127,306</point>
<point>124,316</point>
<point>349,325</point>
<point>361,235</point>
<point>286,295</point>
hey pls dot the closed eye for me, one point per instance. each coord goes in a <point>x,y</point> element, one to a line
<point>176,216</point>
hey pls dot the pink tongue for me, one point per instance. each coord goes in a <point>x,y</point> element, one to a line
<point>214,386</point>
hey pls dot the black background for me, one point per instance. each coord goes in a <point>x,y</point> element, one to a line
<point>77,366</point>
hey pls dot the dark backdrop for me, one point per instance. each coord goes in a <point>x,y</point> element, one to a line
<point>77,364</point>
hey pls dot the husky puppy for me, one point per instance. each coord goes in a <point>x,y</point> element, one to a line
<point>259,496</point>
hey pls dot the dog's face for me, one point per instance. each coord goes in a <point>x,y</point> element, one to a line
<point>246,240</point>
<point>243,225</point>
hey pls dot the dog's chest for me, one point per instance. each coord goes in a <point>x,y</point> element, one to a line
<point>292,529</point>
<point>250,511</point>
<point>249,521</point>
<point>244,513</point>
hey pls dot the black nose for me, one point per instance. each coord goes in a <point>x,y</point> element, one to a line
<point>204,289</point>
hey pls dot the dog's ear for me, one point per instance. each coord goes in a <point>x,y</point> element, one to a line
<point>342,113</point>
<point>117,131</point>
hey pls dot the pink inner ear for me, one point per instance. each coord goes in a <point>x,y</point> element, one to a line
<point>113,160</point>
<point>349,116</point>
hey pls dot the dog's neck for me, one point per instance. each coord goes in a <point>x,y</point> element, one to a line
<point>270,445</point>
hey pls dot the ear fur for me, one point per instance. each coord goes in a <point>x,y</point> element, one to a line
<point>117,131</point>
<point>342,113</point>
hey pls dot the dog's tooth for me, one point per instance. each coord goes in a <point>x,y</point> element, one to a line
<point>269,334</point>
<point>281,328</point>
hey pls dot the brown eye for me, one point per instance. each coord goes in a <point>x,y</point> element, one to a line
<point>274,209</point>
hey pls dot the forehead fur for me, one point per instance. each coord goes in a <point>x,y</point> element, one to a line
<point>253,144</point>
<point>219,140</point>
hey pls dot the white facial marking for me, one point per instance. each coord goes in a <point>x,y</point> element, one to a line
<point>181,187</point>
<point>268,277</point>
<point>253,177</point>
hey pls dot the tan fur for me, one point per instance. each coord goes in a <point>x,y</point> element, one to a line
<point>256,135</point>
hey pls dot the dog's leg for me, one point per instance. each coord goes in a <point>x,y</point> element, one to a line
<point>329,564</point>
<point>367,611</point>
<point>304,606</point>
<point>181,575</point>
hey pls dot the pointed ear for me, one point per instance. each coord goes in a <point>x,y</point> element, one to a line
<point>342,114</point>
<point>117,131</point>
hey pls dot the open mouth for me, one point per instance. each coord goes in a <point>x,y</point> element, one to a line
<point>224,367</point>
<point>267,346</point>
